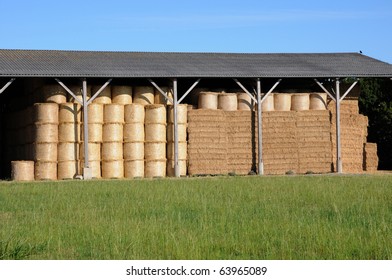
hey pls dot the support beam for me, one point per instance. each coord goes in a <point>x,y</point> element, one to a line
<point>188,91</point>
<point>86,167</point>
<point>325,90</point>
<point>175,103</point>
<point>338,142</point>
<point>7,85</point>
<point>160,90</point>
<point>98,92</point>
<point>244,89</point>
<point>69,91</point>
<point>270,91</point>
<point>260,128</point>
<point>348,91</point>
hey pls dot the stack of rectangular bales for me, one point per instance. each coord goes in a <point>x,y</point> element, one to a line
<point>370,162</point>
<point>207,142</point>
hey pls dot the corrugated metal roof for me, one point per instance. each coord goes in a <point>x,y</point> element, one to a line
<point>49,63</point>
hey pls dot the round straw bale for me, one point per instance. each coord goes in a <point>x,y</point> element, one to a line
<point>318,101</point>
<point>182,113</point>
<point>134,168</point>
<point>69,132</point>
<point>69,113</point>
<point>46,133</point>
<point>95,131</point>
<point>122,95</point>
<point>282,102</point>
<point>170,168</point>
<point>78,91</point>
<point>113,132</point>
<point>155,150</point>
<point>134,132</point>
<point>68,151</point>
<point>244,101</point>
<point>134,113</point>
<point>45,170</point>
<point>46,113</point>
<point>182,135</point>
<point>45,151</point>
<point>22,170</point>
<point>67,169</point>
<point>112,150</point>
<point>155,114</point>
<point>268,103</point>
<point>143,95</point>
<point>182,150</point>
<point>105,97</point>
<point>113,113</point>
<point>134,151</point>
<point>112,169</point>
<point>94,151</point>
<point>155,132</point>
<point>95,166</point>
<point>54,94</point>
<point>160,99</point>
<point>227,101</point>
<point>300,102</point>
<point>208,100</point>
<point>155,168</point>
<point>95,113</point>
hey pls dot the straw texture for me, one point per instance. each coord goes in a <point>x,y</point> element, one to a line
<point>134,113</point>
<point>134,132</point>
<point>46,133</point>
<point>300,102</point>
<point>45,151</point>
<point>46,113</point>
<point>113,132</point>
<point>244,101</point>
<point>143,95</point>
<point>69,113</point>
<point>134,168</point>
<point>94,151</point>
<point>155,114</point>
<point>113,113</point>
<point>155,132</point>
<point>105,97</point>
<point>44,170</point>
<point>155,168</point>
<point>268,104</point>
<point>182,113</point>
<point>112,151</point>
<point>22,170</point>
<point>282,102</point>
<point>182,150</point>
<point>155,150</point>
<point>134,151</point>
<point>318,101</point>
<point>227,101</point>
<point>122,95</point>
<point>69,132</point>
<point>95,166</point>
<point>208,100</point>
<point>182,132</point>
<point>160,99</point>
<point>67,151</point>
<point>54,94</point>
<point>95,113</point>
<point>113,169</point>
<point>67,170</point>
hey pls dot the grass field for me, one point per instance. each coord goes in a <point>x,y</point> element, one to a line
<point>291,217</point>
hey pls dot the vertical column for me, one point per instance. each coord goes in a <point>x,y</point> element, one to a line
<point>338,142</point>
<point>259,130</point>
<point>176,167</point>
<point>86,168</point>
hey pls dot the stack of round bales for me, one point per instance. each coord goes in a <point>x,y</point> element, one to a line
<point>282,101</point>
<point>244,102</point>
<point>22,170</point>
<point>69,138</point>
<point>134,141</point>
<point>54,94</point>
<point>318,101</point>
<point>46,118</point>
<point>143,95</point>
<point>182,112</point>
<point>300,102</point>
<point>95,128</point>
<point>208,100</point>
<point>159,98</point>
<point>112,146</point>
<point>155,141</point>
<point>105,97</point>
<point>122,94</point>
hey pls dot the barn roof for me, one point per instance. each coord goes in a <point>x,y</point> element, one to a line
<point>51,63</point>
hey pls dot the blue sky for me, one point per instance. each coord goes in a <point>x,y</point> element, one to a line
<point>200,26</point>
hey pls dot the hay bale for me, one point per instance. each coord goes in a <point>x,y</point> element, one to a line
<point>182,132</point>
<point>182,150</point>
<point>244,101</point>
<point>105,97</point>
<point>46,133</point>
<point>208,100</point>
<point>155,150</point>
<point>94,151</point>
<point>155,132</point>
<point>227,101</point>
<point>22,170</point>
<point>143,95</point>
<point>95,166</point>
<point>95,113</point>
<point>170,168</point>
<point>155,114</point>
<point>300,102</point>
<point>134,151</point>
<point>67,151</point>
<point>69,132</point>
<point>45,170</point>
<point>268,104</point>
<point>112,151</point>
<point>160,99</point>
<point>182,113</point>
<point>134,168</point>
<point>45,151</point>
<point>134,132</point>
<point>155,168</point>
<point>282,102</point>
<point>95,132</point>
<point>122,95</point>
<point>46,113</point>
<point>67,169</point>
<point>134,113</point>
<point>113,132</point>
<point>54,94</point>
<point>113,169</point>
<point>70,113</point>
<point>318,101</point>
<point>78,91</point>
<point>113,113</point>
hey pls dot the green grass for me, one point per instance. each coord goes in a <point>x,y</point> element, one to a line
<point>290,217</point>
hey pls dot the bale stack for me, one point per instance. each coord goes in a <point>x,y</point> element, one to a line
<point>282,102</point>
<point>69,138</point>
<point>160,99</point>
<point>244,101</point>
<point>227,101</point>
<point>46,120</point>
<point>105,97</point>
<point>155,141</point>
<point>370,162</point>
<point>54,94</point>
<point>239,136</point>
<point>112,146</point>
<point>122,95</point>
<point>318,101</point>
<point>95,139</point>
<point>208,100</point>
<point>22,170</point>
<point>207,142</point>
<point>143,95</point>
<point>182,119</point>
<point>134,141</point>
